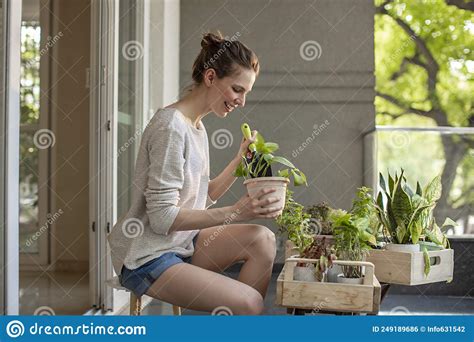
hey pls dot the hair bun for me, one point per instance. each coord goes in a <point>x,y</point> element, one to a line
<point>211,40</point>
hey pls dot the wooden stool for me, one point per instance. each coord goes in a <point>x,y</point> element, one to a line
<point>135,302</point>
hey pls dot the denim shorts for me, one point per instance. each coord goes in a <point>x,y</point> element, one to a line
<point>140,279</point>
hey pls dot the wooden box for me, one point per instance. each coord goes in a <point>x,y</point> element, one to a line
<point>408,268</point>
<point>336,297</point>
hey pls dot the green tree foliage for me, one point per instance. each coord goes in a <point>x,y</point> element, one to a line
<point>424,62</point>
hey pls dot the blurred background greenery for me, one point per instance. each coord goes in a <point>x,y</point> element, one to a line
<point>424,64</point>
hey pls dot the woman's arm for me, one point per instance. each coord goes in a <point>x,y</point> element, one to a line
<point>190,219</point>
<point>219,185</point>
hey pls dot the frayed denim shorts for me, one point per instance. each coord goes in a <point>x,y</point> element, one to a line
<point>140,279</point>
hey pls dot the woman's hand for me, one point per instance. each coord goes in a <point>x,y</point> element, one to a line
<point>245,144</point>
<point>248,208</point>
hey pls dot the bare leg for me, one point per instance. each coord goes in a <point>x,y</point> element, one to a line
<point>219,247</point>
<point>199,287</point>
<point>195,288</point>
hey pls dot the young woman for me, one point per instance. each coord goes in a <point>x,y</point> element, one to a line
<point>169,245</point>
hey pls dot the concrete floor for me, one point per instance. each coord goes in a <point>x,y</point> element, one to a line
<point>391,305</point>
<point>58,293</point>
<point>67,293</point>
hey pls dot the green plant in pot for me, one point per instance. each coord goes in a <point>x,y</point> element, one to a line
<point>322,250</point>
<point>353,235</point>
<point>294,222</point>
<point>406,216</point>
<point>319,220</point>
<point>256,167</point>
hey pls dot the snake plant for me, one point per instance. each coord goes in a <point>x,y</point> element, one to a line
<point>406,216</point>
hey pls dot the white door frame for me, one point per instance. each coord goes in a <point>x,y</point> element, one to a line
<point>10,136</point>
<point>102,141</point>
<point>105,117</point>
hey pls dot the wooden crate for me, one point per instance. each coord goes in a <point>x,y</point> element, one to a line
<point>408,268</point>
<point>335,297</point>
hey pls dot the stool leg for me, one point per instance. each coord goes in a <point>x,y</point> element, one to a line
<point>176,310</point>
<point>135,305</point>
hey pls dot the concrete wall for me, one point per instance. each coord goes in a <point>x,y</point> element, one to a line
<point>315,106</point>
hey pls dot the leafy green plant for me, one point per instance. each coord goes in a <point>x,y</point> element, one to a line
<point>295,222</point>
<point>352,232</point>
<point>323,251</point>
<point>407,215</point>
<point>261,158</point>
<point>319,214</point>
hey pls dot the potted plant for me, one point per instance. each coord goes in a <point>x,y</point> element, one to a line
<point>319,221</point>
<point>295,223</point>
<point>322,250</point>
<point>255,167</point>
<point>406,216</point>
<point>353,232</point>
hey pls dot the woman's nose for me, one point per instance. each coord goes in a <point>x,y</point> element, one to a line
<point>240,101</point>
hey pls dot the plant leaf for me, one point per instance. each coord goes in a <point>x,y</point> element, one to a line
<point>401,205</point>
<point>298,180</point>
<point>433,189</point>
<point>448,222</point>
<point>415,231</point>
<point>426,258</point>
<point>419,191</point>
<point>284,173</point>
<point>283,161</point>
<point>259,142</point>
<point>382,182</point>
<point>269,147</point>
<point>391,184</point>
<point>380,200</point>
<point>400,233</point>
<point>268,157</point>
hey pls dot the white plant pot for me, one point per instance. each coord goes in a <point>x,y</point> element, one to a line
<point>407,248</point>
<point>302,273</point>
<point>333,272</point>
<point>254,185</point>
<point>344,280</point>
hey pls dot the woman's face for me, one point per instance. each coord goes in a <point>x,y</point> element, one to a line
<point>225,94</point>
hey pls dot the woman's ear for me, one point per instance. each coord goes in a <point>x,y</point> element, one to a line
<point>209,77</point>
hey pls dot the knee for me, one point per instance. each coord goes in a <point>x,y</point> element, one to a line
<point>264,241</point>
<point>252,304</point>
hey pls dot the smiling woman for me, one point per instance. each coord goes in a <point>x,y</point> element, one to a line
<point>169,245</point>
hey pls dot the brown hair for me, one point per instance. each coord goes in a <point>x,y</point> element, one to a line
<point>223,55</point>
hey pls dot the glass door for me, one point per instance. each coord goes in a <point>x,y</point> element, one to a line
<point>140,73</point>
<point>10,25</point>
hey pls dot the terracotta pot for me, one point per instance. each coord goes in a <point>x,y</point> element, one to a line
<point>254,185</point>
